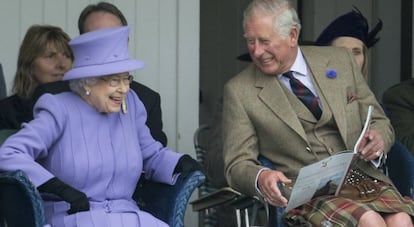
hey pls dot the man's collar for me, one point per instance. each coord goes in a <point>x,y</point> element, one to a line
<point>299,66</point>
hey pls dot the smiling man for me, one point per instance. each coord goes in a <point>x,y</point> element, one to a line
<point>292,107</point>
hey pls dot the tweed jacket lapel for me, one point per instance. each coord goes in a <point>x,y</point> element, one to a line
<point>331,92</point>
<point>273,96</point>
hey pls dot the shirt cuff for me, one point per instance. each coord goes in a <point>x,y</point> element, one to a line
<point>377,162</point>
<point>257,183</point>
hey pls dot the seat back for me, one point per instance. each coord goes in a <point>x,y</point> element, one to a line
<point>168,202</point>
<point>206,187</point>
<point>207,218</point>
<point>21,204</point>
<point>400,169</point>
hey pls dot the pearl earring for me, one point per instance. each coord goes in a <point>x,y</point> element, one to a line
<point>88,93</point>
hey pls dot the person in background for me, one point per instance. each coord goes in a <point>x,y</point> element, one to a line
<point>105,15</point>
<point>262,116</point>
<point>44,56</point>
<point>398,102</point>
<point>86,148</point>
<point>351,31</point>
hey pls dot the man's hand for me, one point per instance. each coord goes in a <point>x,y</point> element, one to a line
<point>371,146</point>
<point>268,181</point>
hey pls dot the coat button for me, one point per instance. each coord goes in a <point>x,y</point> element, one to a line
<point>308,149</point>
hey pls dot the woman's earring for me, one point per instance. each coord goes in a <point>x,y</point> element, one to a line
<point>88,92</point>
<point>124,107</point>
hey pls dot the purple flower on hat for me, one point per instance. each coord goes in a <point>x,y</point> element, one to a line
<point>331,73</point>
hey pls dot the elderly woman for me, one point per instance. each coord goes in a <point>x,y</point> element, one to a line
<point>44,56</point>
<point>86,149</point>
<point>351,31</point>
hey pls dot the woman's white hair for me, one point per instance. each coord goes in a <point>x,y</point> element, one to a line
<point>285,16</point>
<point>78,85</point>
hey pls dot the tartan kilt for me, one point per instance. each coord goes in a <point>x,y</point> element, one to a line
<point>344,212</point>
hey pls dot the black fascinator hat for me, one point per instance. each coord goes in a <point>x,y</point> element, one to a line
<point>352,24</point>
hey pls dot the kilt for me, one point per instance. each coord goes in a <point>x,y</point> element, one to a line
<point>344,212</point>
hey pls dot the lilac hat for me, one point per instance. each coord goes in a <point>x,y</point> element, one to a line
<point>101,52</point>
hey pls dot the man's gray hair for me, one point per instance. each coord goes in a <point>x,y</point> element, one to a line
<point>285,16</point>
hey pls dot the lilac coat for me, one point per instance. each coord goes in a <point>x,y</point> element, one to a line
<point>101,155</point>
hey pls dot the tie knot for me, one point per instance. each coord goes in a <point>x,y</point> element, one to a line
<point>288,74</point>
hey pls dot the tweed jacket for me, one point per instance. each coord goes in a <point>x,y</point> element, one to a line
<point>399,106</point>
<point>258,118</point>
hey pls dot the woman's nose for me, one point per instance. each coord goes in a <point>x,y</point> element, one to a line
<point>122,87</point>
<point>64,62</point>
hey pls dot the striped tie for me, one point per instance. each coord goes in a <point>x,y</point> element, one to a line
<point>304,94</point>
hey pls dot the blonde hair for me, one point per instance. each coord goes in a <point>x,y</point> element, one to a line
<point>34,44</point>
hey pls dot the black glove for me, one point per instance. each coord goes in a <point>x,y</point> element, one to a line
<point>186,164</point>
<point>77,199</point>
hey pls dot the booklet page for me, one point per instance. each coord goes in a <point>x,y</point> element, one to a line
<point>326,176</point>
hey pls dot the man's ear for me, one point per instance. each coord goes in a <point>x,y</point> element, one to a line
<point>293,36</point>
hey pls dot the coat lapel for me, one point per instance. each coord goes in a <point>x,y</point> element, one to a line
<point>331,91</point>
<point>273,96</point>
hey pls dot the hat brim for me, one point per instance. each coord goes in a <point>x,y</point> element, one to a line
<point>104,69</point>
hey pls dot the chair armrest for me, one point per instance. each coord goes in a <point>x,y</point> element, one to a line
<point>20,198</point>
<point>216,198</point>
<point>168,202</point>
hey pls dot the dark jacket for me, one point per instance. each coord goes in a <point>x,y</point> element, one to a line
<point>398,101</point>
<point>15,110</point>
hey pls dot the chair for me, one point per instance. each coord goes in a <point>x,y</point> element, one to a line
<point>210,198</point>
<point>207,217</point>
<point>21,204</point>
<point>166,202</point>
<point>18,197</point>
<point>400,169</point>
